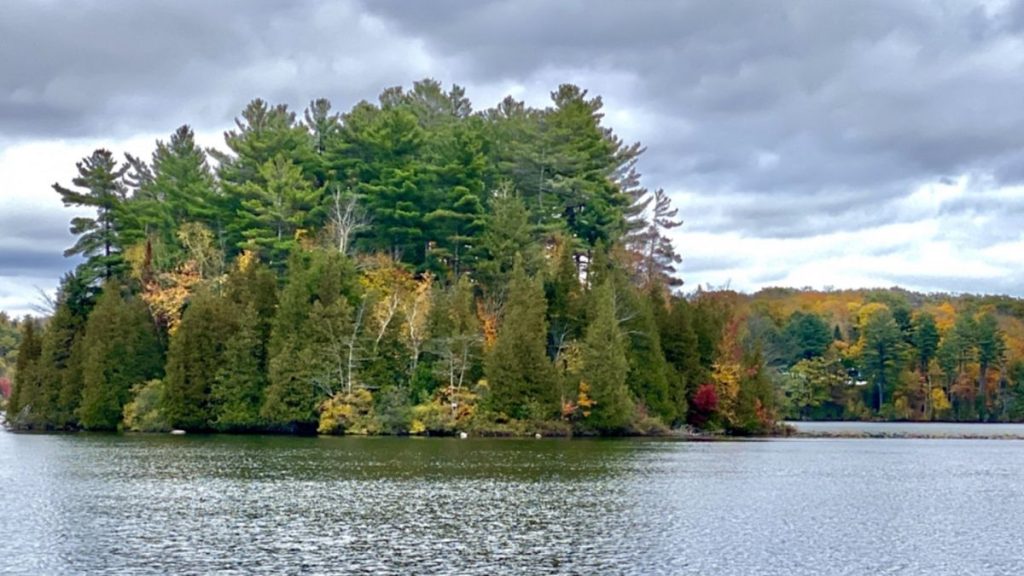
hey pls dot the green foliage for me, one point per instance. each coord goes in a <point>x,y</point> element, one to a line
<point>10,338</point>
<point>195,356</point>
<point>680,344</point>
<point>882,352</point>
<point>507,236</point>
<point>518,369</point>
<point>275,208</point>
<point>925,339</point>
<point>806,336</point>
<point>810,383</point>
<point>488,221</point>
<point>99,187</point>
<point>648,375</point>
<point>143,413</point>
<point>394,412</point>
<point>605,365</point>
<point>236,394</point>
<point>175,188</point>
<point>316,340</point>
<point>26,393</point>
<point>121,349</point>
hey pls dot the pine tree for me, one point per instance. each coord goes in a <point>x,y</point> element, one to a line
<point>991,351</point>
<point>456,153</point>
<point>657,255</point>
<point>926,340</point>
<point>276,209</point>
<point>585,160</point>
<point>382,162</point>
<point>122,349</point>
<point>605,365</point>
<point>324,127</point>
<point>263,133</point>
<point>177,187</point>
<point>521,377</point>
<point>508,233</point>
<point>882,350</point>
<point>99,236</point>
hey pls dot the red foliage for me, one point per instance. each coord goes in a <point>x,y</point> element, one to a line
<point>5,387</point>
<point>705,400</point>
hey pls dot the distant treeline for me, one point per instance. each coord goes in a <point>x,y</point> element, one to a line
<point>412,266</point>
<point>891,354</point>
<point>409,266</point>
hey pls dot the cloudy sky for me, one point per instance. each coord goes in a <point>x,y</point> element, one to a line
<point>840,143</point>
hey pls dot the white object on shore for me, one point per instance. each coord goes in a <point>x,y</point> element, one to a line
<point>463,435</point>
<point>537,436</point>
<point>177,432</point>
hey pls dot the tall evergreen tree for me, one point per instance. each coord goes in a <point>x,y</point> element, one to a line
<point>99,237</point>
<point>507,236</point>
<point>991,351</point>
<point>275,209</point>
<point>178,186</point>
<point>882,351</point>
<point>605,365</point>
<point>520,375</point>
<point>237,391</point>
<point>121,349</point>
<point>195,355</point>
<point>26,392</point>
<point>263,133</point>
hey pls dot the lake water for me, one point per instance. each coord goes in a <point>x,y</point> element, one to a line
<point>920,429</point>
<point>88,504</point>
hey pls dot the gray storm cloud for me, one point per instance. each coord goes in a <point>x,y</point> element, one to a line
<point>780,120</point>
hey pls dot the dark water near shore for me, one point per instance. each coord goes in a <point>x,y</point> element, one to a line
<point>274,505</point>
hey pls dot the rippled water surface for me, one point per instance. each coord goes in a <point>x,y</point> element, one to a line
<point>243,505</point>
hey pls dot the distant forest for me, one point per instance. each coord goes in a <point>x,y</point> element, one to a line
<point>416,267</point>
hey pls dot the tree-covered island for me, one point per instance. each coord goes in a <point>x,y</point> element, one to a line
<point>415,267</point>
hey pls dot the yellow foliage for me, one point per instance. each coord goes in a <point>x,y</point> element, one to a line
<point>416,309</point>
<point>570,358</point>
<point>246,260</point>
<point>350,413</point>
<point>867,311</point>
<point>390,285</point>
<point>945,316</point>
<point>167,293</point>
<point>726,378</point>
<point>417,427</point>
<point>582,406</point>
<point>489,324</point>
<point>939,401</point>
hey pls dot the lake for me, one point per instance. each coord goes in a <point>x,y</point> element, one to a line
<point>92,504</point>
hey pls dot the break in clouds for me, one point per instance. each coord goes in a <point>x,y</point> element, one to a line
<point>838,143</point>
